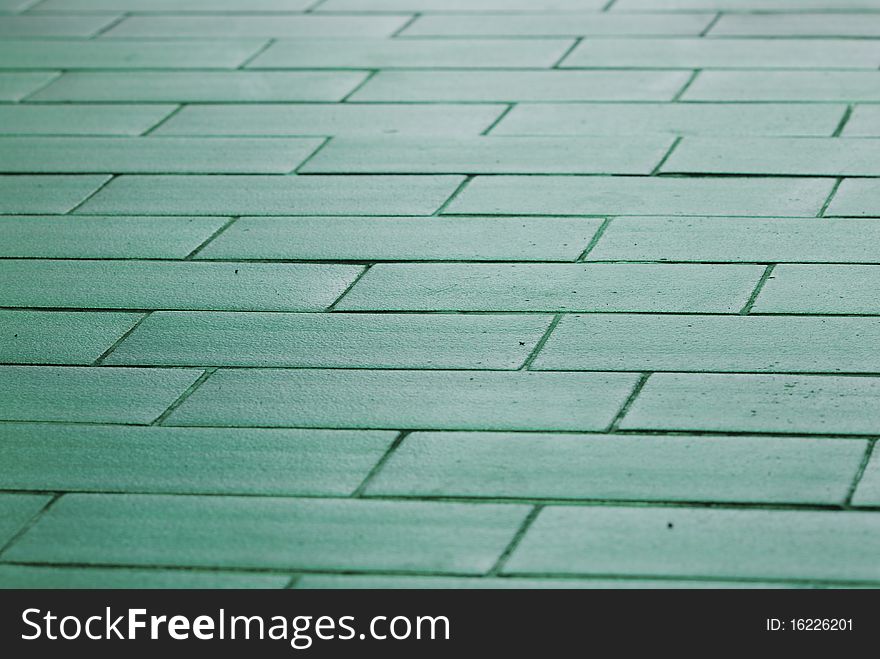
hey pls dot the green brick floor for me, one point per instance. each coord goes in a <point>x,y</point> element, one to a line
<point>439,293</point>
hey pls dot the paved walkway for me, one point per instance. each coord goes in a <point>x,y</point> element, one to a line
<point>355,293</point>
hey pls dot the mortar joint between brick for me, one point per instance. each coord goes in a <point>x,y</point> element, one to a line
<point>207,373</point>
<point>515,541</point>
<point>711,24</point>
<point>370,75</point>
<point>847,113</point>
<point>30,94</point>
<point>348,288</point>
<point>27,526</point>
<point>568,51</point>
<point>594,240</point>
<point>91,194</point>
<point>860,472</point>
<point>162,120</point>
<point>686,85</point>
<point>262,49</point>
<point>831,194</point>
<point>497,120</point>
<point>374,471</point>
<point>293,581</point>
<point>608,5</point>
<point>527,364</point>
<point>458,190</point>
<point>110,25</point>
<point>765,276</point>
<point>207,241</point>
<point>100,360</point>
<point>628,403</point>
<point>412,19</point>
<point>325,141</point>
<point>666,156</point>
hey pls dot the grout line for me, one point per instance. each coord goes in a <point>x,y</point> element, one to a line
<point>497,120</point>
<point>262,49</point>
<point>208,372</point>
<point>515,541</point>
<point>594,240</point>
<point>348,288</point>
<point>110,25</point>
<point>314,6</point>
<point>860,472</point>
<point>58,75</point>
<point>90,196</point>
<point>831,194</point>
<point>461,186</point>
<point>843,121</point>
<point>568,51</point>
<point>320,147</point>
<point>686,85</point>
<point>412,19</point>
<point>211,238</point>
<point>29,524</point>
<point>360,489</point>
<point>711,24</point>
<point>609,5</point>
<point>370,75</point>
<point>177,108</point>
<point>100,360</point>
<point>640,384</point>
<point>540,344</point>
<point>292,582</point>
<point>768,271</point>
<point>668,153</point>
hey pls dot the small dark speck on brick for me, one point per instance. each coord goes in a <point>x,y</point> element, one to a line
<point>669,525</point>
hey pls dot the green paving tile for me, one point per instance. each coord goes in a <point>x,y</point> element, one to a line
<point>864,122</point>
<point>567,195</point>
<point>203,86</point>
<point>723,239</point>
<point>677,542</point>
<point>610,467</point>
<point>696,53</point>
<point>553,287</point>
<point>46,194</point>
<point>108,54</point>
<point>80,119</point>
<point>57,337</point>
<point>283,26</point>
<point>830,289</point>
<point>561,25</point>
<point>713,343</point>
<point>868,491</point>
<point>797,25</point>
<point>405,238</point>
<point>60,237</point>
<point>17,510</point>
<point>15,86</point>
<point>29,25</point>
<point>740,5</point>
<point>40,577</point>
<point>491,155</point>
<point>332,119</point>
<point>407,399</point>
<point>406,86</point>
<point>817,156</point>
<point>462,6</point>
<point>413,53</point>
<point>101,395</point>
<point>270,533</point>
<point>175,6</point>
<point>859,198</point>
<point>187,460</point>
<point>794,86</point>
<point>273,195</point>
<point>186,155</point>
<point>333,340</point>
<point>173,285</point>
<point>713,119</point>
<point>757,403</point>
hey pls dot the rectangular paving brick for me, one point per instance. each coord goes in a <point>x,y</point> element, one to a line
<point>841,86</point>
<point>558,25</point>
<point>405,238</point>
<point>175,6</point>
<point>678,542</point>
<point>160,460</point>
<point>80,119</point>
<point>29,25</point>
<point>59,337</point>
<point>63,237</point>
<point>722,239</point>
<point>332,119</point>
<point>767,344</point>
<point>569,195</point>
<point>859,198</point>
<point>405,86</point>
<point>44,577</point>
<point>829,289</point>
<point>463,6</point>
<point>868,491</point>
<point>261,532</point>
<point>332,340</point>
<point>46,194</point>
<point>202,87</point>
<point>254,25</point>
<point>807,156</point>
<point>16,510</point>
<point>126,54</point>
<point>273,195</point>
<point>814,404</point>
<point>553,287</point>
<point>456,400</point>
<point>186,155</point>
<point>413,53</point>
<point>173,285</point>
<point>715,119</point>
<point>610,467</point>
<point>740,5</point>
<point>85,394</point>
<point>15,86</point>
<point>490,155</point>
<point>696,53</point>
<point>864,122</point>
<point>797,25</point>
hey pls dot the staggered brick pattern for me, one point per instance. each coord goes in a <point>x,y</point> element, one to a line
<point>439,293</point>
